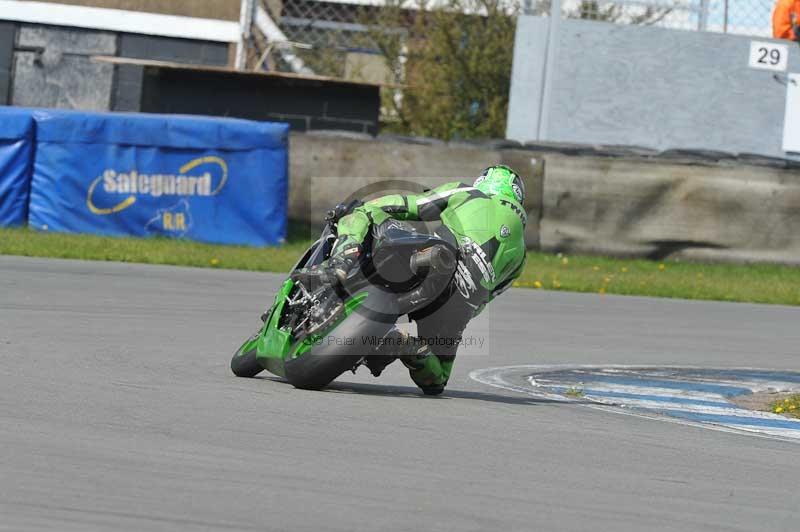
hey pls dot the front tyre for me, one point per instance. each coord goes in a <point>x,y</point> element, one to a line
<point>345,345</point>
<point>244,362</point>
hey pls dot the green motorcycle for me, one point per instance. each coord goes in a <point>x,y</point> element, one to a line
<point>311,335</point>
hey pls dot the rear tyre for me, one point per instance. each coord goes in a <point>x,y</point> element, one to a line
<point>244,362</point>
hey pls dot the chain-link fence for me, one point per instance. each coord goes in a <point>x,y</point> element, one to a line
<point>344,38</point>
<point>337,37</point>
<point>333,38</point>
<point>675,14</point>
<point>741,17</point>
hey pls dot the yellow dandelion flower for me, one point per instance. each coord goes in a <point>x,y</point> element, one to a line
<point>778,409</point>
<point>214,261</point>
<point>607,280</point>
<point>596,268</point>
<point>624,269</point>
<point>565,261</point>
<point>556,283</point>
<point>792,407</point>
<point>661,267</point>
<point>537,284</point>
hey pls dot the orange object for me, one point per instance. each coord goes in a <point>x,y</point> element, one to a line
<point>782,19</point>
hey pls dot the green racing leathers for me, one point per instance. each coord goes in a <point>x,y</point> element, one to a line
<point>490,233</point>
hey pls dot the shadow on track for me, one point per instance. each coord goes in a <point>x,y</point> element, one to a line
<point>412,392</point>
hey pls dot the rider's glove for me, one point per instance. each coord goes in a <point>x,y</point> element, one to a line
<point>332,272</point>
<point>343,259</point>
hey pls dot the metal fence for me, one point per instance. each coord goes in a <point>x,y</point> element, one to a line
<point>740,17</point>
<point>334,38</point>
<point>338,37</point>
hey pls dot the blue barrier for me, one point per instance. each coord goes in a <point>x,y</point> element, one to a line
<point>209,179</point>
<point>16,158</point>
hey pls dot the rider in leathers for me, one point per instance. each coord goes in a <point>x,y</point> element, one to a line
<point>487,221</point>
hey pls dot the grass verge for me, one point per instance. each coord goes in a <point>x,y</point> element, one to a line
<point>30,243</point>
<point>788,406</point>
<point>758,283</point>
<point>755,283</point>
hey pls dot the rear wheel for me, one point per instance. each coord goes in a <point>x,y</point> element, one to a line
<point>244,362</point>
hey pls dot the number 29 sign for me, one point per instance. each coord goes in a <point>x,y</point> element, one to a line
<point>768,55</point>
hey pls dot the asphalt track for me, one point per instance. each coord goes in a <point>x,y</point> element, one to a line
<point>118,412</point>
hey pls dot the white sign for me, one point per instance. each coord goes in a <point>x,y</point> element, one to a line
<point>791,116</point>
<point>768,55</point>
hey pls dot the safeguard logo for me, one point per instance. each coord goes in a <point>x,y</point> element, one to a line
<point>113,191</point>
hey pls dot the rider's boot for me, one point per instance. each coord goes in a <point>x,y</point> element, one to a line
<point>390,348</point>
<point>421,362</point>
<point>410,350</point>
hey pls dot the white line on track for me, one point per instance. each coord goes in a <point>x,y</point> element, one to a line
<point>686,399</point>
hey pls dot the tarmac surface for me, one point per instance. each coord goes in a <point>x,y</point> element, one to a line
<point>118,411</point>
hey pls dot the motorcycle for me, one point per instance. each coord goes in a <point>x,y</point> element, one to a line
<point>312,334</point>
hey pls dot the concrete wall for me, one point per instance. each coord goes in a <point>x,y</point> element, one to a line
<point>52,68</point>
<point>611,202</point>
<point>645,86</point>
<point>325,169</point>
<point>654,208</point>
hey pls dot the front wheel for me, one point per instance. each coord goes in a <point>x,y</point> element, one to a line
<point>244,362</point>
<point>342,347</point>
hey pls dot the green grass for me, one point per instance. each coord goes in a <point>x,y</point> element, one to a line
<point>575,393</point>
<point>788,406</point>
<point>757,283</point>
<point>31,243</point>
<point>761,283</point>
